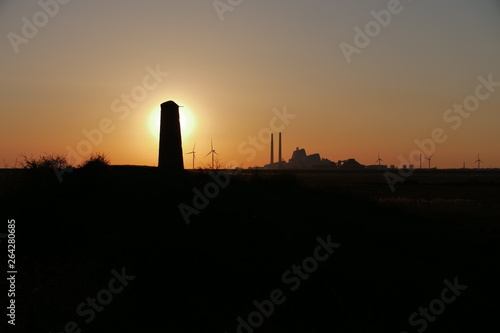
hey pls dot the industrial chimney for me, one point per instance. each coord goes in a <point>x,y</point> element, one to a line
<point>170,152</point>
<point>272,148</point>
<point>279,149</point>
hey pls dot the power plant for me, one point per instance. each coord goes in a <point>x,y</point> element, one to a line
<point>300,160</point>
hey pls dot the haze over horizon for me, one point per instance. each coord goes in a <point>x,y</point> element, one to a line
<point>108,66</point>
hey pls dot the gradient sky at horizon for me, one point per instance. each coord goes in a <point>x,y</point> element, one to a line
<point>230,75</point>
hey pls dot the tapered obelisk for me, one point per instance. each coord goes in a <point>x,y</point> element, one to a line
<point>170,155</point>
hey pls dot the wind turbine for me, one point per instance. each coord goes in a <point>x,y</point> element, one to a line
<point>192,152</point>
<point>429,159</point>
<point>478,162</point>
<point>378,160</point>
<point>212,151</point>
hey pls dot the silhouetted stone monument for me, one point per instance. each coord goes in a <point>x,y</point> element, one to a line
<point>170,155</point>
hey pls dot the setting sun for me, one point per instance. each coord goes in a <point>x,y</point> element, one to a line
<point>187,120</point>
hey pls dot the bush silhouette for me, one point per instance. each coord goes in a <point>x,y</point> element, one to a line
<point>45,162</point>
<point>96,161</point>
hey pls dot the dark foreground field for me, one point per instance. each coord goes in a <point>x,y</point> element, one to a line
<point>109,251</point>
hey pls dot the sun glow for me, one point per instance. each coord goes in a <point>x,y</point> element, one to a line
<point>186,117</point>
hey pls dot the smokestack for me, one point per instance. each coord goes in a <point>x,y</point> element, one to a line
<point>170,152</point>
<point>279,151</point>
<point>272,148</point>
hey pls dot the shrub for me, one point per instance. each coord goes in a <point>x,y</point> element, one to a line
<point>45,162</point>
<point>96,161</point>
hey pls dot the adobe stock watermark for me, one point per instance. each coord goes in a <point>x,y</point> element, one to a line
<point>373,28</point>
<point>30,28</point>
<point>425,315</point>
<point>93,305</point>
<point>223,6</point>
<point>453,116</point>
<point>293,279</point>
<point>122,106</point>
<point>221,180</point>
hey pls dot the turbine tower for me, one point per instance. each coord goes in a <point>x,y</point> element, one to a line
<point>212,151</point>
<point>429,159</point>
<point>378,160</point>
<point>478,162</point>
<point>193,153</point>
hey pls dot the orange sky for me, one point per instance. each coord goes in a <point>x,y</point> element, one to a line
<point>230,75</point>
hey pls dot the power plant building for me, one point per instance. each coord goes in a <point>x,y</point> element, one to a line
<point>300,160</point>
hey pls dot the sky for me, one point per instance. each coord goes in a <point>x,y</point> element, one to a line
<point>343,78</point>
